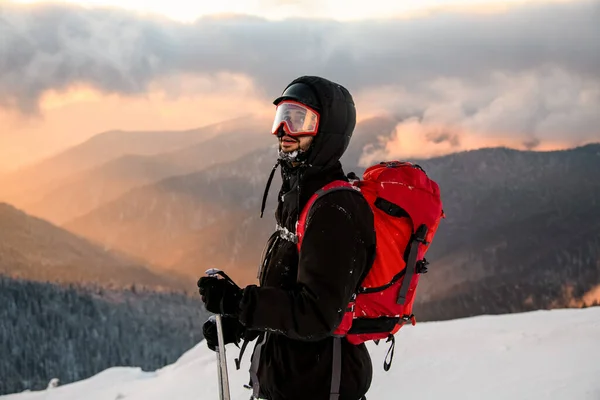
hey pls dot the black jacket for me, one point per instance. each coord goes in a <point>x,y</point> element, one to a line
<point>302,298</point>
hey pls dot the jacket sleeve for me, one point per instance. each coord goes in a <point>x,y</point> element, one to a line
<point>332,261</point>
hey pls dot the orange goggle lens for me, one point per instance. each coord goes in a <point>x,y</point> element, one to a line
<point>297,119</point>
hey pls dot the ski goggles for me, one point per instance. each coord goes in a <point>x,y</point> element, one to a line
<point>297,119</point>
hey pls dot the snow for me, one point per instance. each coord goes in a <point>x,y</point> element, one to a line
<point>536,355</point>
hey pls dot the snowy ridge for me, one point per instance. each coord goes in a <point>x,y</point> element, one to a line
<point>535,355</point>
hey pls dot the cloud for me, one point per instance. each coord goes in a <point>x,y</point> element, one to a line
<point>438,136</point>
<point>532,143</point>
<point>528,76</point>
<point>74,115</point>
<point>52,46</point>
<point>412,138</point>
<point>533,109</point>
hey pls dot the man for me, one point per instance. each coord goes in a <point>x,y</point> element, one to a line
<point>303,296</point>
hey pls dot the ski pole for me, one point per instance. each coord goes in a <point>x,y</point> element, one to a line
<point>222,359</point>
<point>221,354</point>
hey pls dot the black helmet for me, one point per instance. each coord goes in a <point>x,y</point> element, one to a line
<point>302,93</point>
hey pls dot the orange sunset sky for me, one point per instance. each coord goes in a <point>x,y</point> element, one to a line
<point>520,73</point>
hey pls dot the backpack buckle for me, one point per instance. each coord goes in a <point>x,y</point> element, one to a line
<point>351,304</point>
<point>409,318</point>
<point>421,234</point>
<point>421,267</point>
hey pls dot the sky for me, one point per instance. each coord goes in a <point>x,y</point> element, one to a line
<point>454,74</point>
<point>339,10</point>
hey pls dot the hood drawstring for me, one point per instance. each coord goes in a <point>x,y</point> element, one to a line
<point>264,199</point>
<point>298,211</point>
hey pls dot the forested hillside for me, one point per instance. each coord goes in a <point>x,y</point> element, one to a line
<point>73,332</point>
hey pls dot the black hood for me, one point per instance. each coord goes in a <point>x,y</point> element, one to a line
<point>337,121</point>
<point>321,163</point>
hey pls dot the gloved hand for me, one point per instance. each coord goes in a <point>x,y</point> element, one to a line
<point>233,331</point>
<point>220,296</point>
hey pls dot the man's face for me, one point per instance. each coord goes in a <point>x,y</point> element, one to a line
<point>296,116</point>
<point>289,144</point>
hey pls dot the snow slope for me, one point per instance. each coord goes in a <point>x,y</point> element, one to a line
<point>536,355</point>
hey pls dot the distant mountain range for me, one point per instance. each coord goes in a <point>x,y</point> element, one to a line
<point>82,192</point>
<point>513,218</point>
<point>522,231</point>
<point>34,249</point>
<point>192,222</point>
<point>523,224</point>
<point>30,184</point>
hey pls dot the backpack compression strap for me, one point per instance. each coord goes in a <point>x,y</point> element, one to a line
<point>411,263</point>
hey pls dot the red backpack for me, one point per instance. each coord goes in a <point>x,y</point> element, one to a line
<point>407,210</point>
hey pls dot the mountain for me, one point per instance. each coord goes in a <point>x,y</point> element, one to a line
<point>234,139</point>
<point>521,228</point>
<point>96,186</point>
<point>71,333</point>
<point>550,355</point>
<point>91,188</point>
<point>513,218</point>
<point>167,221</point>
<point>29,184</point>
<point>34,249</point>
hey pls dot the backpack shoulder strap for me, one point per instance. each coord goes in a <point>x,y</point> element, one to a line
<point>329,188</point>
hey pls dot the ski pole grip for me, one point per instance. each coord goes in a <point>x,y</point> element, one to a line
<point>216,271</point>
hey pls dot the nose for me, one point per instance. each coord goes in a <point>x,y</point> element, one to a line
<point>280,132</point>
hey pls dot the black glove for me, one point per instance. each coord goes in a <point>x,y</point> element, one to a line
<point>220,296</point>
<point>233,331</point>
